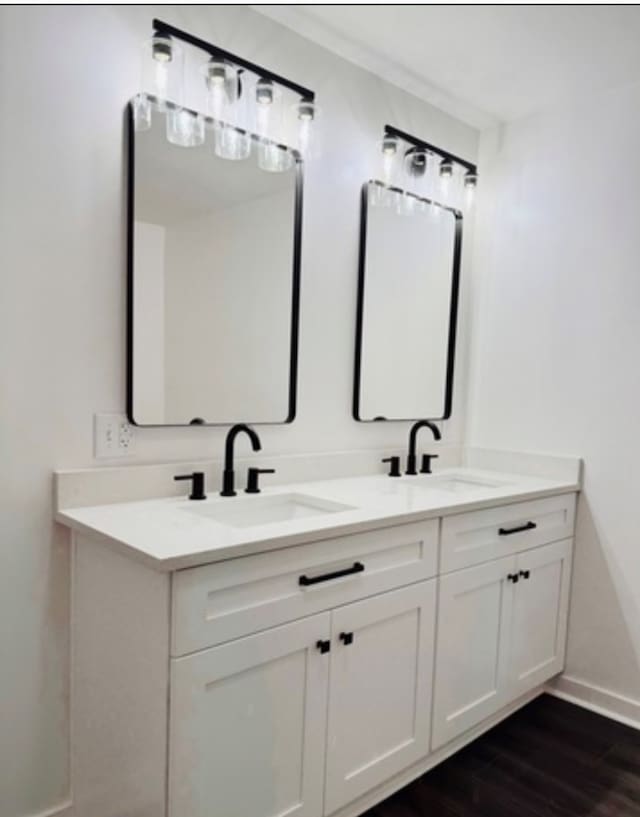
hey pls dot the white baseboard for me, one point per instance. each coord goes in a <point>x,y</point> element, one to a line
<point>599,700</point>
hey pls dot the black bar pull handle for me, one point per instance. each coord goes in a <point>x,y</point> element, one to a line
<point>346,638</point>
<point>305,581</point>
<point>513,577</point>
<point>323,646</point>
<point>520,529</point>
<point>525,574</point>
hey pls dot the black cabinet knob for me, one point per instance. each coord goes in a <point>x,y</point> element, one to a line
<point>525,574</point>
<point>513,577</point>
<point>346,638</point>
<point>323,646</point>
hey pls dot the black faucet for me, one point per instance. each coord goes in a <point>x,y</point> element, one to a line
<point>228,477</point>
<point>413,434</point>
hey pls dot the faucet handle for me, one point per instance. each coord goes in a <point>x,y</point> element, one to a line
<point>426,462</point>
<point>394,466</point>
<point>253,475</point>
<point>197,484</point>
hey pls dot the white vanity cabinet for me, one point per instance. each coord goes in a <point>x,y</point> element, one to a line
<point>253,722</point>
<point>247,725</point>
<point>380,690</point>
<point>314,680</point>
<point>501,624</point>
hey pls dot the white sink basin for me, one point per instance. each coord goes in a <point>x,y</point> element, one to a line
<point>456,484</point>
<point>266,510</point>
<point>422,483</point>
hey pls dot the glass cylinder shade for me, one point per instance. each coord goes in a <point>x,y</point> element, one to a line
<point>185,128</point>
<point>389,152</point>
<point>141,105</point>
<point>231,143</point>
<point>274,158</point>
<point>163,70</point>
<point>306,114</point>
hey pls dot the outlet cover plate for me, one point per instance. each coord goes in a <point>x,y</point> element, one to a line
<point>113,436</point>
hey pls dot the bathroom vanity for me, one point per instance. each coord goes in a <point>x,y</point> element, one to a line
<point>309,650</point>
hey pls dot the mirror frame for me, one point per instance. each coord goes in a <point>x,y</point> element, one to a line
<point>295,283</point>
<point>453,309</point>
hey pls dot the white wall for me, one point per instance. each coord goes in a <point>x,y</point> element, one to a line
<point>65,75</point>
<point>557,344</point>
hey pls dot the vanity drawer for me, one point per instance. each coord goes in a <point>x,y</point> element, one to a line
<point>226,600</point>
<point>480,536</point>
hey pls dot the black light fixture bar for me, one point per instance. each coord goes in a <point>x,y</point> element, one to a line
<point>214,51</point>
<point>389,130</point>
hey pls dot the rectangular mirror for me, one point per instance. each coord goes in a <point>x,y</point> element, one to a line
<point>407,306</point>
<point>214,270</point>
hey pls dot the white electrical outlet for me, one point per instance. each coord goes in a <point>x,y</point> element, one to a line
<point>113,436</point>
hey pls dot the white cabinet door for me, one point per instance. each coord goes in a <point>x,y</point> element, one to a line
<point>380,690</point>
<point>539,623</point>
<point>247,725</point>
<point>471,676</point>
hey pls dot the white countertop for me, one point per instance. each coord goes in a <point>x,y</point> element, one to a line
<point>172,533</point>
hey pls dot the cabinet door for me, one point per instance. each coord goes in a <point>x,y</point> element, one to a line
<point>380,689</point>
<point>247,726</point>
<point>471,676</point>
<point>539,624</point>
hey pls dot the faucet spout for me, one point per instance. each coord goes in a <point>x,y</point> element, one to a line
<point>228,476</point>
<point>413,437</point>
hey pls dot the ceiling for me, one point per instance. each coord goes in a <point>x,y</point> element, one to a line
<point>482,63</point>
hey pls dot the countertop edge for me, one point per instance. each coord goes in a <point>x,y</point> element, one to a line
<point>236,551</point>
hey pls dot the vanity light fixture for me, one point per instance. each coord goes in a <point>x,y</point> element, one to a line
<point>226,76</point>
<point>419,163</point>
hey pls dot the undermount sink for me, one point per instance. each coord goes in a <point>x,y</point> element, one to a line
<point>267,510</point>
<point>450,483</point>
<point>457,484</point>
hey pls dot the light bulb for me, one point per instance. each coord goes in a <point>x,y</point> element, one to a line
<point>389,151</point>
<point>446,169</point>
<point>162,48</point>
<point>264,92</point>
<point>306,112</point>
<point>161,77</point>
<point>416,162</point>
<point>163,70</point>
<point>470,184</point>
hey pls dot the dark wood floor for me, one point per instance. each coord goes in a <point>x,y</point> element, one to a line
<point>550,759</point>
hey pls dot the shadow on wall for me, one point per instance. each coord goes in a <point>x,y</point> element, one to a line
<point>602,612</point>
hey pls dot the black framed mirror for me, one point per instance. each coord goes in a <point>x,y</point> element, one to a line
<point>214,242</point>
<point>407,308</point>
